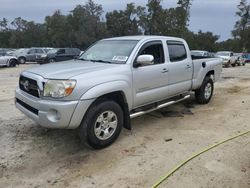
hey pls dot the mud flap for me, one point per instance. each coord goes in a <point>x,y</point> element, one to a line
<point>127,122</point>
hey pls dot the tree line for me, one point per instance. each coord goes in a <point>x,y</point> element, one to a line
<point>87,23</point>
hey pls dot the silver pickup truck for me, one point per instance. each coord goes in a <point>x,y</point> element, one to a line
<point>114,80</point>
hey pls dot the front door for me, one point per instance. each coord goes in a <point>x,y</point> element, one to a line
<point>150,82</point>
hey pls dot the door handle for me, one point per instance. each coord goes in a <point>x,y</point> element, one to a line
<point>188,67</point>
<point>164,70</point>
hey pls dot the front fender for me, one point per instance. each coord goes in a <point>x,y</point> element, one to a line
<point>109,87</point>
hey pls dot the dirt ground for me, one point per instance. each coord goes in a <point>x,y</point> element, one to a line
<point>31,156</point>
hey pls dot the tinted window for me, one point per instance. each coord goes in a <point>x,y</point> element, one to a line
<point>155,49</point>
<point>177,51</point>
<point>76,51</point>
<point>61,51</point>
<point>32,51</point>
<point>39,51</point>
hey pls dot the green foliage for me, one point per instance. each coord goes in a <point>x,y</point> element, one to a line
<point>242,26</point>
<point>87,23</point>
<point>123,22</point>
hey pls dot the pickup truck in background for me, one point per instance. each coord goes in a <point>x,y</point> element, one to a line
<point>114,80</point>
<point>228,57</point>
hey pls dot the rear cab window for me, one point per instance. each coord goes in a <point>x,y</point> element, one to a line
<point>177,51</point>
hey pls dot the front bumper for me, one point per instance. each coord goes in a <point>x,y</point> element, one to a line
<point>226,62</point>
<point>42,60</point>
<point>52,114</point>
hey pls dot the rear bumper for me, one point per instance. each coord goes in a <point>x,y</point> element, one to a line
<point>52,114</point>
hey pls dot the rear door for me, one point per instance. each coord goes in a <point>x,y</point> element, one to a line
<point>180,67</point>
<point>150,82</point>
<point>31,55</point>
<point>61,55</point>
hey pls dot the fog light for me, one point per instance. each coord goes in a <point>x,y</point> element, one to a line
<point>53,115</point>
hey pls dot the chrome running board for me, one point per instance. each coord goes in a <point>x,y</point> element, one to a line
<point>140,113</point>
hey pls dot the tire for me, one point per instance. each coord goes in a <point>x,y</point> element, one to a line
<point>243,64</point>
<point>233,65</point>
<point>204,94</point>
<point>12,63</point>
<point>96,123</point>
<point>22,60</point>
<point>52,60</point>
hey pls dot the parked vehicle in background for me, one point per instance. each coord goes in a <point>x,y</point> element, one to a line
<point>29,55</point>
<point>8,61</point>
<point>199,53</point>
<point>3,51</point>
<point>246,58</point>
<point>60,54</point>
<point>10,52</point>
<point>114,80</point>
<point>20,54</point>
<point>228,58</point>
<point>239,59</point>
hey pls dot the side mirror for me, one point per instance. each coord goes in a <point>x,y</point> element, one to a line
<point>144,60</point>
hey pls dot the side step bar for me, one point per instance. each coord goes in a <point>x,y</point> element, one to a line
<point>136,114</point>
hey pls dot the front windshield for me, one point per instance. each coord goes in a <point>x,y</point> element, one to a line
<point>223,54</point>
<point>53,51</point>
<point>110,51</point>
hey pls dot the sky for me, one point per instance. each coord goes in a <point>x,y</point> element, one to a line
<point>217,16</point>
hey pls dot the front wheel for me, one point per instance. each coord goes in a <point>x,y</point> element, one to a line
<point>204,94</point>
<point>22,60</point>
<point>12,63</point>
<point>52,60</point>
<point>102,124</point>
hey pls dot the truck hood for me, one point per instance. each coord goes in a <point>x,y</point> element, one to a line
<point>224,57</point>
<point>68,69</point>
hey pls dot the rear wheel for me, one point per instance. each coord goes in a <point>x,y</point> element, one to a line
<point>204,94</point>
<point>102,124</point>
<point>22,60</point>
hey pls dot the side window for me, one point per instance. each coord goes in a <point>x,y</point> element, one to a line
<point>32,51</point>
<point>39,51</point>
<point>61,51</point>
<point>177,51</point>
<point>155,49</point>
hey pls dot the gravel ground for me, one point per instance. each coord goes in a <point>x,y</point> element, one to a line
<point>31,156</point>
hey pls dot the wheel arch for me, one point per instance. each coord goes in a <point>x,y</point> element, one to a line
<point>11,60</point>
<point>117,91</point>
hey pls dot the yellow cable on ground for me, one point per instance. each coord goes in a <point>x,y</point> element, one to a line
<point>195,155</point>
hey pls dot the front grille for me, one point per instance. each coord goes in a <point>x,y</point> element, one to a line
<point>29,86</point>
<point>28,107</point>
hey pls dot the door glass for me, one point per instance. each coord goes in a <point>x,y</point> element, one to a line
<point>39,51</point>
<point>61,51</point>
<point>156,50</point>
<point>177,51</point>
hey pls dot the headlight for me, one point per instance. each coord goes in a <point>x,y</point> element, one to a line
<point>58,88</point>
<point>44,55</point>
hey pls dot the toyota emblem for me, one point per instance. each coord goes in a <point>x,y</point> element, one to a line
<point>26,85</point>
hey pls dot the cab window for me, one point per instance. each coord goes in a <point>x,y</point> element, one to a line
<point>177,51</point>
<point>155,49</point>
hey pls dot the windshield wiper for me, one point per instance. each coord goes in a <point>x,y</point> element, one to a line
<point>93,60</point>
<point>99,61</point>
<point>82,59</point>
